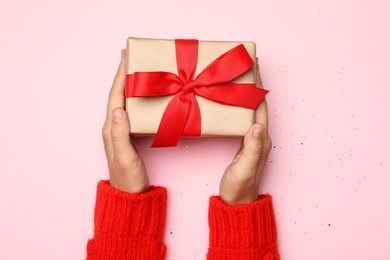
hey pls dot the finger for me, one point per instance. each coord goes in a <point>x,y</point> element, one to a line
<point>123,149</point>
<point>252,149</point>
<point>116,98</point>
<point>262,108</point>
<point>117,93</point>
<point>262,117</point>
<point>262,113</point>
<point>259,83</point>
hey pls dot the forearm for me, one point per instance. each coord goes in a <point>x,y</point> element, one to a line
<point>246,231</point>
<point>128,226</point>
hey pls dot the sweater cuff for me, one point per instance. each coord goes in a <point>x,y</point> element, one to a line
<point>246,231</point>
<point>128,222</point>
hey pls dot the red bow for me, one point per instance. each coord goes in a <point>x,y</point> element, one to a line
<point>182,114</point>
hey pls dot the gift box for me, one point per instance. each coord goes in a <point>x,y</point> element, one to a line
<point>178,88</point>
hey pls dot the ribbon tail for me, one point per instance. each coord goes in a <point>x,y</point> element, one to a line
<point>172,122</point>
<point>193,124</point>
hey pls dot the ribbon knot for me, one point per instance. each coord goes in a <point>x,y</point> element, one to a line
<point>188,87</point>
<point>182,114</point>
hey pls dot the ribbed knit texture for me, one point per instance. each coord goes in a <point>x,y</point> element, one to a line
<point>131,227</point>
<point>242,231</point>
<point>128,226</point>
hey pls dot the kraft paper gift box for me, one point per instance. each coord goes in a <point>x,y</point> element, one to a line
<point>160,57</point>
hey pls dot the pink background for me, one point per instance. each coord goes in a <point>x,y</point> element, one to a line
<point>327,66</point>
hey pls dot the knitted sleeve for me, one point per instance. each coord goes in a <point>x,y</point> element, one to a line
<point>242,231</point>
<point>128,226</point>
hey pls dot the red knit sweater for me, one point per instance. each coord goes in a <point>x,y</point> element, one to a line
<point>131,226</point>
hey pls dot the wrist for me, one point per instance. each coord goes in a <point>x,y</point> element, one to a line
<point>129,186</point>
<point>240,200</point>
<point>237,197</point>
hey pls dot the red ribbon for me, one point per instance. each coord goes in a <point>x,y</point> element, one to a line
<point>182,114</point>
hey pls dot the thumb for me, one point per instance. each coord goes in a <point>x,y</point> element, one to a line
<point>120,136</point>
<point>252,146</point>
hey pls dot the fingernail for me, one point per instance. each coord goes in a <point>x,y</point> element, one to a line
<point>117,116</point>
<point>123,52</point>
<point>258,130</point>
